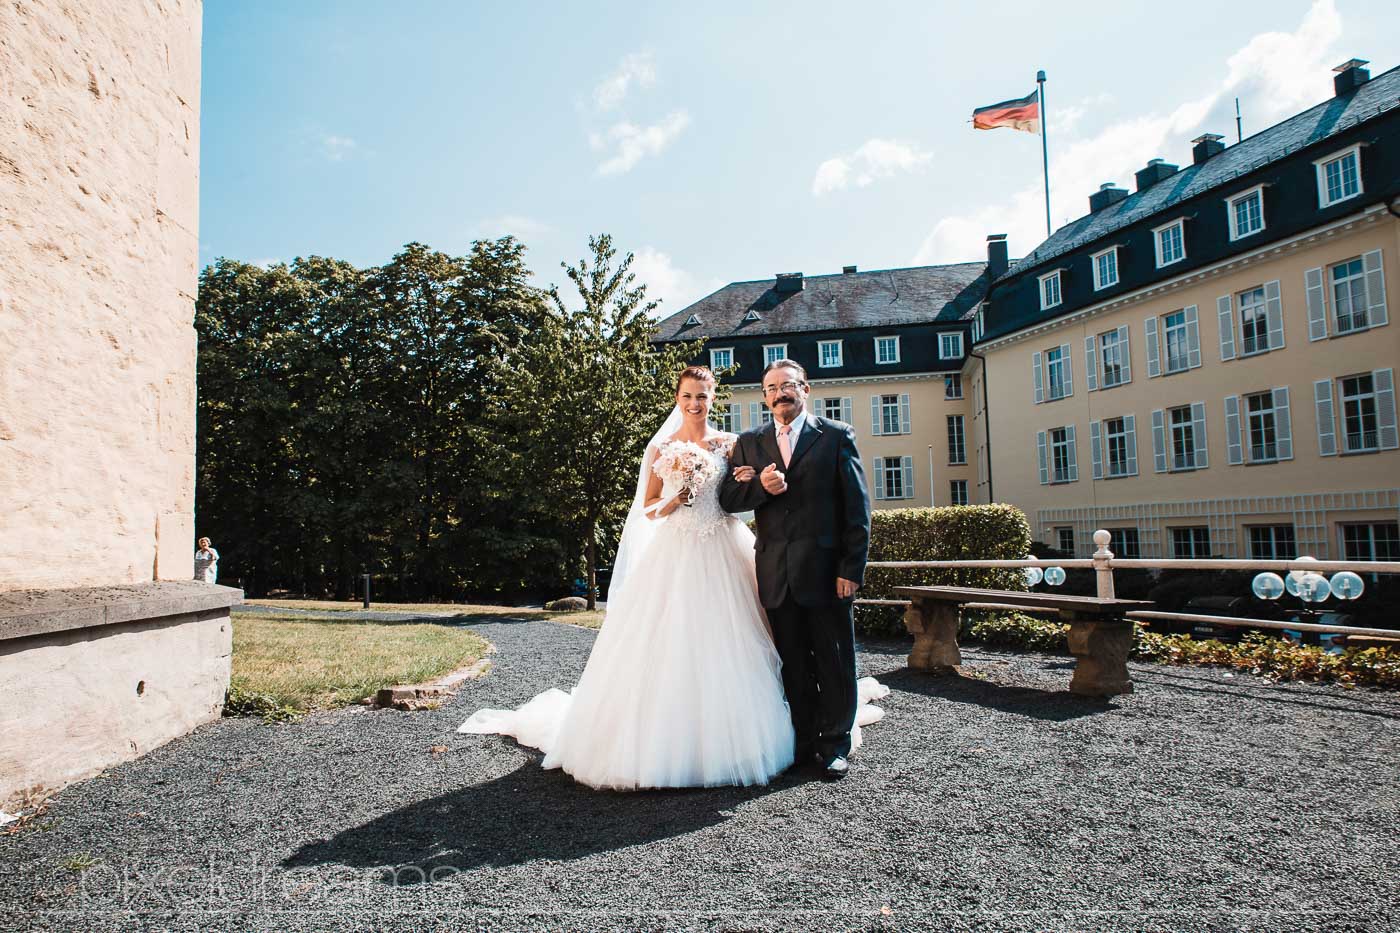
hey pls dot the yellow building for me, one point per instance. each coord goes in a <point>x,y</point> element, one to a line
<point>1206,366</point>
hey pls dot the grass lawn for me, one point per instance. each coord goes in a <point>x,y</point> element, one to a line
<point>306,663</point>
<point>586,619</point>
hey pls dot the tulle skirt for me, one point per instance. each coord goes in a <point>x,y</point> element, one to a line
<point>683,686</point>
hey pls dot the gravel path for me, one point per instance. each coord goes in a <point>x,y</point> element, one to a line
<point>995,801</point>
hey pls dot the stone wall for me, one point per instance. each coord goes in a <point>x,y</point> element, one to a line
<point>99,176</point>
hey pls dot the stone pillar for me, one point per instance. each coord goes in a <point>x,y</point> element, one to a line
<point>1102,647</point>
<point>934,625</point>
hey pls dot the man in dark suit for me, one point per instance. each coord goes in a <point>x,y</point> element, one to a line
<point>801,476</point>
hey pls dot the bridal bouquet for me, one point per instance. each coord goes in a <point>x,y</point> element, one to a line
<point>685,465</point>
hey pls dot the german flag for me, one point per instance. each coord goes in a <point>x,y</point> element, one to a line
<point>1021,114</point>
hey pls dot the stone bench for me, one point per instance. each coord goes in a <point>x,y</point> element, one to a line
<point>1099,636</point>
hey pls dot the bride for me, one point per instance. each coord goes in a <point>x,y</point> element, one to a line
<point>683,687</point>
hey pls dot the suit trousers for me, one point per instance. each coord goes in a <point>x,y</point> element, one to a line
<point>817,648</point>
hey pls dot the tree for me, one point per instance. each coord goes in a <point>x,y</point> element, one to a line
<point>580,399</point>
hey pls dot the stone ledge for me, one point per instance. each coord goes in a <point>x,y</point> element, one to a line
<point>26,613</point>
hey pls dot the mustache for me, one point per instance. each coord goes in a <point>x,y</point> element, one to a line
<point>784,398</point>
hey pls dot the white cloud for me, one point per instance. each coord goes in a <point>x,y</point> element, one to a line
<point>675,287</point>
<point>876,158</point>
<point>337,148</point>
<point>629,143</point>
<point>1275,75</point>
<point>517,225</point>
<point>638,68</point>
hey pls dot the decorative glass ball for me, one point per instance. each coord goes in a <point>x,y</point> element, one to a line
<point>1314,588</point>
<point>1347,585</point>
<point>1297,575</point>
<point>1054,575</point>
<point>1290,583</point>
<point>1033,576</point>
<point>1268,585</point>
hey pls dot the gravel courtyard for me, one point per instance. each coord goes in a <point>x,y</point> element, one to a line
<point>992,801</point>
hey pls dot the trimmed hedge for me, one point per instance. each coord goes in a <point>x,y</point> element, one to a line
<point>959,532</point>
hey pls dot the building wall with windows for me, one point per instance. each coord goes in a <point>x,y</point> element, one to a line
<point>1226,385</point>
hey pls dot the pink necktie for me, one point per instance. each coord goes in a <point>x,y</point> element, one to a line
<point>785,443</point>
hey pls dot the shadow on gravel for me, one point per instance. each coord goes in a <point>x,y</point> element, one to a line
<point>523,816</point>
<point>1050,705</point>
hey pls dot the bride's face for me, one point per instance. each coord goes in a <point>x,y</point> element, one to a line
<point>695,398</point>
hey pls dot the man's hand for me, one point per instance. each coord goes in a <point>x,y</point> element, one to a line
<point>744,473</point>
<point>845,589</point>
<point>773,480</point>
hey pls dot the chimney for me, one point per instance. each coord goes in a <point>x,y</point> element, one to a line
<point>997,261</point>
<point>1350,76</point>
<point>1107,194</point>
<point>1205,146</point>
<point>788,282</point>
<point>848,270</point>
<point>1156,170</point>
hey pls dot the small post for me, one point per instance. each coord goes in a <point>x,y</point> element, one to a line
<point>1103,568</point>
<point>365,578</point>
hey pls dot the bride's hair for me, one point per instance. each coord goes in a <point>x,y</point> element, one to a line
<point>702,373</point>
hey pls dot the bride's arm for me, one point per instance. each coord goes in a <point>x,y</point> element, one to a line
<point>653,496</point>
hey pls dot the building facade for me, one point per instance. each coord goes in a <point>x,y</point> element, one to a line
<point>884,352</point>
<point>1206,366</point>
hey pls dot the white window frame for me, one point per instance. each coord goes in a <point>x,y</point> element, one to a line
<point>1331,286</point>
<point>953,492</point>
<point>715,364</point>
<point>769,359</point>
<point>1045,280</point>
<point>950,381</point>
<point>886,407</point>
<point>1320,166</point>
<point>1060,532</point>
<point>1359,399</point>
<point>1191,530</point>
<point>1232,200</point>
<point>1065,443</point>
<point>957,441</point>
<point>1263,309</point>
<point>1186,429</point>
<point>1256,421</point>
<point>958,347</point>
<point>1157,232</point>
<point>1099,282</point>
<point>1272,542</point>
<point>1185,329</point>
<point>1108,437</point>
<point>821,354</point>
<point>732,413</point>
<point>1119,347</point>
<point>880,362</point>
<point>1063,383</point>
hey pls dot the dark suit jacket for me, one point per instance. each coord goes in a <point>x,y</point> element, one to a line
<point>816,531</point>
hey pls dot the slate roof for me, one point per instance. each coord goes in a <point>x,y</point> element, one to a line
<point>1312,126</point>
<point>881,298</point>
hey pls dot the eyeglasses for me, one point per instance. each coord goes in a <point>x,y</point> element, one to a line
<point>786,387</point>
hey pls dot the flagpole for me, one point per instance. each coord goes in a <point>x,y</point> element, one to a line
<point>1044,148</point>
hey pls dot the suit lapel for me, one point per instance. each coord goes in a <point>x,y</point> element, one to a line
<point>811,431</point>
<point>768,440</point>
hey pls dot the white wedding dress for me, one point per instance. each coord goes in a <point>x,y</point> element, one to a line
<point>683,687</point>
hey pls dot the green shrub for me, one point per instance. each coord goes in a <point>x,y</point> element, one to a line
<point>241,702</point>
<point>961,532</point>
<point>1015,630</point>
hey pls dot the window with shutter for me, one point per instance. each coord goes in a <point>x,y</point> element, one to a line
<point>1326,418</point>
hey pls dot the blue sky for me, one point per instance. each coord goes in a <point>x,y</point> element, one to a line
<point>722,141</point>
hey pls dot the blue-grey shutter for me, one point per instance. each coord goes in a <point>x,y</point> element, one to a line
<point>1226,315</point>
<point>737,410</point>
<point>1234,443</point>
<point>1044,469</point>
<point>755,409</point>
<point>846,411</point>
<point>1096,447</point>
<point>879,477</point>
<point>1159,441</point>
<point>1317,304</point>
<point>1073,453</point>
<point>1069,373</point>
<point>1154,361</point>
<point>1273,311</point>
<point>875,429</point>
<point>1283,424</point>
<point>1384,380</point>
<point>1198,431</point>
<point>1130,431</point>
<point>1038,368</point>
<point>1375,288</point>
<point>1091,363</point>
<point>1193,338</point>
<point>1125,355</point>
<point>904,424</point>
<point>906,466</point>
<point>1326,418</point>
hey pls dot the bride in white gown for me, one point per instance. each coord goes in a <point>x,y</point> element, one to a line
<point>683,686</point>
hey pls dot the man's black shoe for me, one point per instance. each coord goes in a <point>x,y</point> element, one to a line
<point>835,769</point>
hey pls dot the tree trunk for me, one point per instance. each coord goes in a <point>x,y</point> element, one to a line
<point>592,578</point>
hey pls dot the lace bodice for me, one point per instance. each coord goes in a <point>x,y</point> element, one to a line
<point>703,516</point>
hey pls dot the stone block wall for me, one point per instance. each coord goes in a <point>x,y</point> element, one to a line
<point>99,180</point>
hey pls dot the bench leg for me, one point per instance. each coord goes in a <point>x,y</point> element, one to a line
<point>935,629</point>
<point>1102,647</point>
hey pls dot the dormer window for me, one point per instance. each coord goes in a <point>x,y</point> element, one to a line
<point>1246,212</point>
<point>721,358</point>
<point>1339,176</point>
<point>692,320</point>
<point>1170,241</point>
<point>1050,295</point>
<point>753,315</point>
<point>1105,268</point>
<point>886,349</point>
